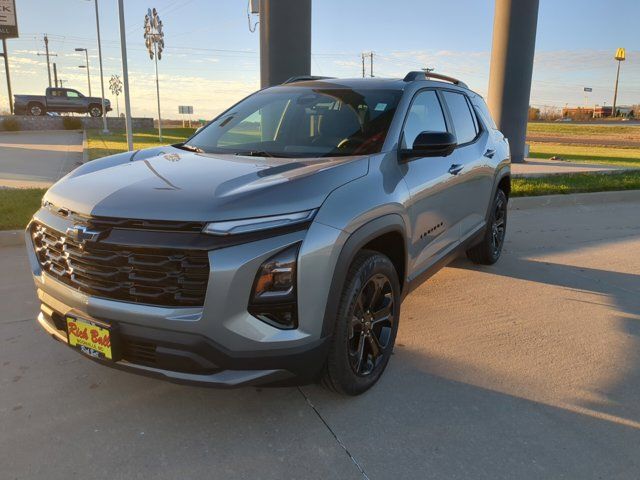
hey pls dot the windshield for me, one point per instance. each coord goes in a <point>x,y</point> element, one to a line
<point>302,122</point>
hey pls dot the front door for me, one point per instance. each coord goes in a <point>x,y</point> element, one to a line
<point>435,211</point>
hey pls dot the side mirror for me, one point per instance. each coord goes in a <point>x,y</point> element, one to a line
<point>431,144</point>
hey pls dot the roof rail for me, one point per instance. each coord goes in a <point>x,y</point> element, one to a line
<point>420,75</point>
<point>304,78</point>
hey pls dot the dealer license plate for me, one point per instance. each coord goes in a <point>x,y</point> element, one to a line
<point>89,337</point>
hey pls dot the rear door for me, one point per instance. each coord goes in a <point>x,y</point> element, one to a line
<point>434,209</point>
<point>56,100</point>
<point>474,181</point>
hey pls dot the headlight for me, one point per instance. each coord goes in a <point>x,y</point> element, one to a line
<point>273,296</point>
<point>234,227</point>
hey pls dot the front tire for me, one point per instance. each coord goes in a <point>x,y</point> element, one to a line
<point>95,110</point>
<point>366,325</point>
<point>489,250</point>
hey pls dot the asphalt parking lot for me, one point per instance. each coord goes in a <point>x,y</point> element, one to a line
<point>527,369</point>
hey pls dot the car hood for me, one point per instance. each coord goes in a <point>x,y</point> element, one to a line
<point>167,183</point>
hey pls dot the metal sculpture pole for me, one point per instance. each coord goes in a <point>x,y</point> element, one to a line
<point>154,41</point>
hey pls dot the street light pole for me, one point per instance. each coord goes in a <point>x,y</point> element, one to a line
<point>125,74</point>
<point>86,56</point>
<point>105,129</point>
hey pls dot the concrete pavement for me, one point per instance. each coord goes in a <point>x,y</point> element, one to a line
<point>38,159</point>
<point>527,369</point>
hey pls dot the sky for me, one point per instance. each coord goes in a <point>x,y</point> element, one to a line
<point>211,57</point>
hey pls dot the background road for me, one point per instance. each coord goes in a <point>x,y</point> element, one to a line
<point>527,369</point>
<point>39,158</point>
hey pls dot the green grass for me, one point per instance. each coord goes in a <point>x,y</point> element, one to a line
<point>574,183</point>
<point>622,157</point>
<point>581,129</point>
<point>17,206</point>
<point>102,145</point>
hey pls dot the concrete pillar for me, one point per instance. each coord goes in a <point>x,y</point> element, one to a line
<point>514,40</point>
<point>285,40</point>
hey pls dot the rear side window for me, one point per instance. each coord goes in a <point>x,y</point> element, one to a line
<point>425,115</point>
<point>463,121</point>
<point>483,110</point>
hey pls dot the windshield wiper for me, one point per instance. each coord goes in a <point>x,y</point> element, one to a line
<point>255,153</point>
<point>190,148</point>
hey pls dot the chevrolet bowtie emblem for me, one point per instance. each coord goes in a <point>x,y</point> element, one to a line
<point>82,234</point>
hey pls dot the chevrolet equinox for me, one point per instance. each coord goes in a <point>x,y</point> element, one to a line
<point>276,244</point>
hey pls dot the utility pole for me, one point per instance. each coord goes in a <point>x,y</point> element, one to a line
<point>370,55</point>
<point>371,64</point>
<point>55,75</point>
<point>5,54</point>
<point>125,74</point>
<point>105,129</point>
<point>47,54</point>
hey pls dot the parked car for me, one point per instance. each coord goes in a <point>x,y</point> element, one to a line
<point>59,100</point>
<point>275,245</point>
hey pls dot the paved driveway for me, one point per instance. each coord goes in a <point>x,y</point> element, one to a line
<point>38,159</point>
<point>528,369</point>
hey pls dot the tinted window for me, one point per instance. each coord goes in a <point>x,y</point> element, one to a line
<point>425,115</point>
<point>463,122</point>
<point>303,121</point>
<point>484,112</point>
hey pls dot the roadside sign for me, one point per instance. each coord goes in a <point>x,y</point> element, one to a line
<point>185,109</point>
<point>8,19</point>
<point>588,89</point>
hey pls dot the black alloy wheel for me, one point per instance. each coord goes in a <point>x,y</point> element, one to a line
<point>371,325</point>
<point>366,325</point>
<point>499,225</point>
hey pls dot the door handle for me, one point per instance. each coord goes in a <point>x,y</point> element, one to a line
<point>455,169</point>
<point>489,153</point>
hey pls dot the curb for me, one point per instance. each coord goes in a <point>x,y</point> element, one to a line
<point>11,238</point>
<point>525,203</point>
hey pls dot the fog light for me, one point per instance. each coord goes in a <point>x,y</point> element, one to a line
<point>273,297</point>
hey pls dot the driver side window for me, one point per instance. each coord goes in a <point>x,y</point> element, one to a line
<point>425,114</point>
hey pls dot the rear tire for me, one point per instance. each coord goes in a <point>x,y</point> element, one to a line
<point>366,326</point>
<point>489,250</point>
<point>36,109</point>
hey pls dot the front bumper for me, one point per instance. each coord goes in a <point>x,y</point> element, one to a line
<point>219,344</point>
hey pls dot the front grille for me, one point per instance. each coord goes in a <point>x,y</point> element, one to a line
<point>156,276</point>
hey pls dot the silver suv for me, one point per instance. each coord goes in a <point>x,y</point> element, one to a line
<point>276,244</point>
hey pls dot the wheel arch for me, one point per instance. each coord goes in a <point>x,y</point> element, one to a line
<point>387,235</point>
